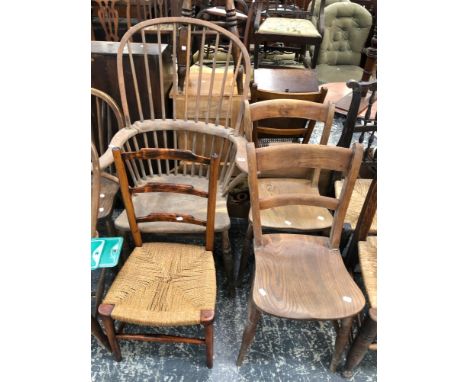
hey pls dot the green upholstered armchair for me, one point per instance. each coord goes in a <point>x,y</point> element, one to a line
<point>315,13</point>
<point>346,29</point>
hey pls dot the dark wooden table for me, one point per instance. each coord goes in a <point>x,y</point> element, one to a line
<point>286,80</point>
<point>104,74</point>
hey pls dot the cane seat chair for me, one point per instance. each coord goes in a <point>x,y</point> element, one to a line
<point>205,117</point>
<point>285,22</point>
<point>346,29</point>
<point>292,180</point>
<point>302,276</point>
<point>164,284</point>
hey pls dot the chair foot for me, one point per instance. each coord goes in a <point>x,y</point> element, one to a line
<point>97,332</point>
<point>228,263</point>
<point>249,331</point>
<point>245,254</point>
<point>207,318</point>
<point>341,341</point>
<point>105,313</point>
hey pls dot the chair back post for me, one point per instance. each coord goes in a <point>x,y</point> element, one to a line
<point>95,189</point>
<point>211,210</point>
<point>345,196</point>
<point>254,196</point>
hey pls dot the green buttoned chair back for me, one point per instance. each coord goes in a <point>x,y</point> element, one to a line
<point>317,8</point>
<point>347,27</point>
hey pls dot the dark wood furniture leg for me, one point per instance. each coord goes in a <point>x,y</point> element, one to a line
<point>249,331</point>
<point>97,332</point>
<point>245,253</point>
<point>341,341</point>
<point>105,312</point>
<point>100,288</point>
<point>367,334</point>
<point>228,263</point>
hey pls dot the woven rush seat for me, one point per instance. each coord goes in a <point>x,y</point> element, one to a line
<point>292,217</point>
<point>289,27</point>
<point>164,284</point>
<point>368,262</point>
<point>171,202</point>
<point>357,201</point>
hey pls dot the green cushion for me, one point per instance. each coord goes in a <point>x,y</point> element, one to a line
<point>347,27</point>
<point>338,73</point>
<point>288,27</point>
<point>317,8</point>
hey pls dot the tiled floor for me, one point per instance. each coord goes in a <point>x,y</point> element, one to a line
<point>283,350</point>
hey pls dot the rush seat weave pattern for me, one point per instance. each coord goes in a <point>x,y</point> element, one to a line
<point>164,284</point>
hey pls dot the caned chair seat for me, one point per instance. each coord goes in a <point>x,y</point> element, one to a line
<point>180,203</point>
<point>289,27</point>
<point>368,262</point>
<point>357,201</point>
<point>164,284</point>
<point>294,217</point>
<point>108,190</point>
<point>299,277</point>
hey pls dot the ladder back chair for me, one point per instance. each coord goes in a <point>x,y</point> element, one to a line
<point>301,276</point>
<point>361,126</point>
<point>292,180</point>
<point>198,138</point>
<point>164,284</point>
<point>367,254</point>
<point>278,127</point>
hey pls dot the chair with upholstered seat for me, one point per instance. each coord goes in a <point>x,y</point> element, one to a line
<point>302,276</point>
<point>346,30</point>
<point>164,284</point>
<point>286,23</point>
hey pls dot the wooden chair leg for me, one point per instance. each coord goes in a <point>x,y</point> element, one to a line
<point>245,253</point>
<point>256,47</point>
<point>97,332</point>
<point>228,263</point>
<point>367,334</point>
<point>110,227</point>
<point>207,318</point>
<point>100,288</point>
<point>249,332</point>
<point>105,312</point>
<point>341,341</point>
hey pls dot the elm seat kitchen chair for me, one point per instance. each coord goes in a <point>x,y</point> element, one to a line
<point>289,181</point>
<point>164,284</point>
<point>106,120</point>
<point>201,123</point>
<point>346,29</point>
<point>302,276</point>
<point>287,23</point>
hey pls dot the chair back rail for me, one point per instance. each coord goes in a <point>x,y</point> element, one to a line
<point>205,91</point>
<point>168,154</point>
<point>340,159</point>
<point>108,18</point>
<point>95,189</point>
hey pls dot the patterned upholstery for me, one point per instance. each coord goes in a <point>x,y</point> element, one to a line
<point>288,27</point>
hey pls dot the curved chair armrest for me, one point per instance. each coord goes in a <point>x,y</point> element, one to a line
<point>111,177</point>
<point>247,122</point>
<point>118,140</point>
<point>241,153</point>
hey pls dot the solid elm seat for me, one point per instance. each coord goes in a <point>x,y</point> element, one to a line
<point>164,284</point>
<point>300,277</point>
<point>108,191</point>
<point>368,262</point>
<point>357,201</point>
<point>294,216</point>
<point>188,204</point>
<point>288,27</point>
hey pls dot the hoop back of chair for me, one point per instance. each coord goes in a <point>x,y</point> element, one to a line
<point>168,154</point>
<point>279,157</point>
<point>202,92</point>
